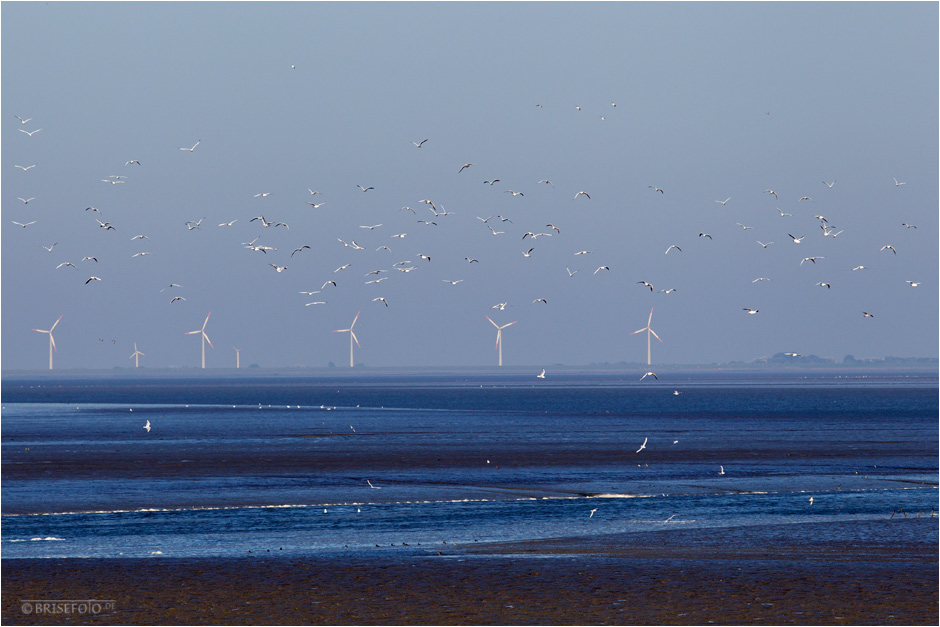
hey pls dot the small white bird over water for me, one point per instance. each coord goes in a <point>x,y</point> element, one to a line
<point>147,427</point>
<point>649,374</point>
<point>642,446</point>
<point>541,375</point>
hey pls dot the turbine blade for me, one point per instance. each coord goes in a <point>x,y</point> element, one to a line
<point>354,320</point>
<point>511,323</point>
<point>491,322</point>
<point>193,332</point>
<point>354,336</point>
<point>52,339</point>
<point>650,321</point>
<point>654,334</point>
<point>56,322</point>
<point>207,339</point>
<point>639,330</point>
<point>499,335</point>
<point>206,322</point>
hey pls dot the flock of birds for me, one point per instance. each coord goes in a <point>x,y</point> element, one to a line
<point>425,214</point>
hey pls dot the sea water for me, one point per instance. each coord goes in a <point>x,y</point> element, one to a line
<point>305,465</point>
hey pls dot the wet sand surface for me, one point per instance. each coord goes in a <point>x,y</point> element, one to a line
<point>674,577</point>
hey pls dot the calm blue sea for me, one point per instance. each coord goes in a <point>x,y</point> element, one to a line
<point>303,465</point>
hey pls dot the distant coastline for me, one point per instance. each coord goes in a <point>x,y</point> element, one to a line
<point>780,362</point>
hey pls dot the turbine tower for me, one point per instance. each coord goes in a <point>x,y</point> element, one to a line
<point>648,332</point>
<point>205,338</point>
<point>51,340</point>
<point>499,337</point>
<point>238,353</point>
<point>136,356</point>
<point>352,337</point>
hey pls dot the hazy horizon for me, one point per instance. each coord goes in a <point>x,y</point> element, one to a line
<point>704,101</point>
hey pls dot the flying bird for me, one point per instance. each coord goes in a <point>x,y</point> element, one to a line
<point>671,247</point>
<point>599,268</point>
<point>796,240</point>
<point>898,184</point>
<point>889,247</point>
<point>22,121</point>
<point>25,168</point>
<point>655,189</point>
<point>705,235</point>
<point>912,283</point>
<point>910,226</point>
<point>49,248</point>
<point>649,285</point>
<point>131,162</point>
<point>91,278</point>
<point>782,214</point>
<point>649,374</point>
<point>448,280</point>
<point>813,259</point>
<point>868,315</point>
<point>643,446</point>
<point>751,311</point>
<point>380,298</point>
<point>826,285</point>
<point>763,244</point>
<point>298,249</point>
<point>229,223</point>
<point>66,263</point>
<point>829,185</point>
<point>770,191</point>
<point>490,182</point>
<point>541,375</point>
<point>147,426</point>
<point>547,181</point>
<point>176,298</point>
<point>26,200</point>
<point>193,148</point>
<point>744,228</point>
<point>464,167</point>
<point>582,194</point>
<point>419,144</point>
<point>31,133</point>
<point>514,193</point>
<point>23,225</point>
<point>540,300</point>
<point>723,202</point>
<point>570,273</point>
<point>365,189</point>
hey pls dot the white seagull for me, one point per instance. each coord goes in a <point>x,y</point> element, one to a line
<point>25,168</point>
<point>147,427</point>
<point>796,240</point>
<point>193,148</point>
<point>751,311</point>
<point>649,374</point>
<point>642,446</point>
<point>723,202</point>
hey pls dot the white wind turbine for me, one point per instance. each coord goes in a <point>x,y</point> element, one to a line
<point>238,354</point>
<point>352,337</point>
<point>51,340</point>
<point>499,336</point>
<point>136,356</point>
<point>205,338</point>
<point>648,332</point>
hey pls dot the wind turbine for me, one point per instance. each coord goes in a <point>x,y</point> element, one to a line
<point>648,331</point>
<point>51,340</point>
<point>136,356</point>
<point>352,337</point>
<point>499,337</point>
<point>238,353</point>
<point>205,338</point>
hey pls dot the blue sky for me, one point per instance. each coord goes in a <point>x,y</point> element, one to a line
<point>713,100</point>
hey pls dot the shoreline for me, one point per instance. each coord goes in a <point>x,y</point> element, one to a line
<point>671,577</point>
